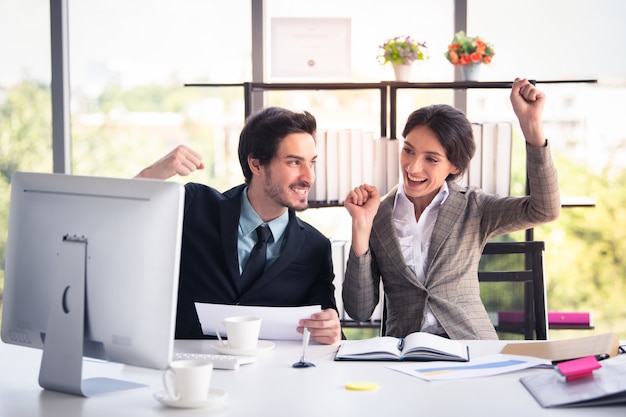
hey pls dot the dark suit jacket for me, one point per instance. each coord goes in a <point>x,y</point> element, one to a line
<point>302,275</point>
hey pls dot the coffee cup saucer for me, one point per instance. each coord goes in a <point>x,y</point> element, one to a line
<point>263,346</point>
<point>215,399</point>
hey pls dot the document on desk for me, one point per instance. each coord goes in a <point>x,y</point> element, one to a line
<point>479,367</point>
<point>277,323</point>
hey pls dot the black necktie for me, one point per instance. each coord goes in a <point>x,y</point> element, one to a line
<point>256,262</point>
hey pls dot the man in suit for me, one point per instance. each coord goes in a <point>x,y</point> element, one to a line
<point>277,154</point>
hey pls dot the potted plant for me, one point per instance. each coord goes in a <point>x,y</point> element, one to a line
<point>469,53</point>
<point>401,52</point>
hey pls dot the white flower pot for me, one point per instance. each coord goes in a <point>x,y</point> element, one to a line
<point>403,72</point>
<point>470,72</point>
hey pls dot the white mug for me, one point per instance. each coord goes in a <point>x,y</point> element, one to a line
<point>188,380</point>
<point>242,332</point>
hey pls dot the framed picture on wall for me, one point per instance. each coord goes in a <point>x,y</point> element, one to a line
<point>310,48</point>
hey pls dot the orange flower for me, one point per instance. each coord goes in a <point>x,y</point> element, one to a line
<point>480,47</point>
<point>476,57</point>
<point>466,50</point>
<point>454,58</point>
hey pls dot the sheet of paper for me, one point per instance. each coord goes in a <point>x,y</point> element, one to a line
<point>278,323</point>
<point>479,367</point>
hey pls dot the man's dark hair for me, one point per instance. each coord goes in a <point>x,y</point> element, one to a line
<point>264,130</point>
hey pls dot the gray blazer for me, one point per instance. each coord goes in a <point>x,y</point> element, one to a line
<point>467,220</point>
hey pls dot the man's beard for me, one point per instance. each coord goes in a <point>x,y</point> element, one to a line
<point>274,192</point>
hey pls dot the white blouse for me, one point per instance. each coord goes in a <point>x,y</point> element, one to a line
<point>414,237</point>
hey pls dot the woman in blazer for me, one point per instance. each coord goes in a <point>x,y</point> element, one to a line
<point>425,238</point>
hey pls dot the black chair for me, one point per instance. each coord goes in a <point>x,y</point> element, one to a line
<point>512,288</point>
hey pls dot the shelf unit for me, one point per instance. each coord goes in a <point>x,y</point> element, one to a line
<point>388,91</point>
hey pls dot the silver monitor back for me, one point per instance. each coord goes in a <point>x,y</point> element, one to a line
<point>132,230</point>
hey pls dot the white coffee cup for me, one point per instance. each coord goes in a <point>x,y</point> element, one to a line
<point>242,332</point>
<point>188,380</point>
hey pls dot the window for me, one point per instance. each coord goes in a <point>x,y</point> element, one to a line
<point>130,60</point>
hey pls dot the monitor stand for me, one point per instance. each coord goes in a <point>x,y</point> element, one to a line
<point>62,360</point>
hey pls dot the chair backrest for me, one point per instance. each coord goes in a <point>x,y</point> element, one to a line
<point>511,277</point>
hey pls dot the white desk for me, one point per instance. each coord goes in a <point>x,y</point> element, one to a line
<point>271,387</point>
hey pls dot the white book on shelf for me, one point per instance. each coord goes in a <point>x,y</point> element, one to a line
<point>393,163</point>
<point>332,166</point>
<point>474,171</point>
<point>345,162</point>
<point>463,180</point>
<point>488,182</point>
<point>504,145</point>
<point>318,191</point>
<point>379,167</point>
<point>339,266</point>
<point>367,158</point>
<point>356,159</point>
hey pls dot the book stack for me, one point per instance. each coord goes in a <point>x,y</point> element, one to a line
<point>347,158</point>
<point>490,168</point>
<point>603,386</point>
<point>606,386</point>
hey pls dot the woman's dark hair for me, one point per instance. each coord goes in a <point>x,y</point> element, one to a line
<point>264,131</point>
<point>451,127</point>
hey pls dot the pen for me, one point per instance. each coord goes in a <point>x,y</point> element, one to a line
<point>400,344</point>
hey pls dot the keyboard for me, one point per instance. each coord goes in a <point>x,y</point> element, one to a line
<point>219,361</point>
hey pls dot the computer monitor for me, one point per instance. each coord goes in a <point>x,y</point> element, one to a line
<point>92,270</point>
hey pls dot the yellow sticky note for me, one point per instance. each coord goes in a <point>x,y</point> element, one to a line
<point>362,386</point>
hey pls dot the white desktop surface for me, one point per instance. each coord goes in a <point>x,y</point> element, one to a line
<point>271,387</point>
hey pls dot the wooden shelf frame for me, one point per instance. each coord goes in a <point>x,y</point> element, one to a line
<point>388,92</point>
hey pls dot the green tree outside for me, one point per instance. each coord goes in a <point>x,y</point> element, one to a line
<point>25,144</point>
